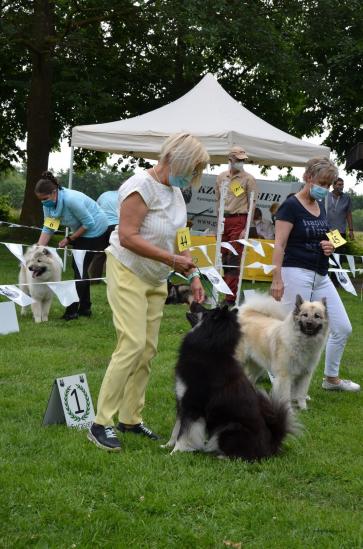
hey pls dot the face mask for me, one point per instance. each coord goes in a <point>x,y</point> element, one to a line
<point>318,193</point>
<point>180,181</point>
<point>238,165</point>
<point>49,203</point>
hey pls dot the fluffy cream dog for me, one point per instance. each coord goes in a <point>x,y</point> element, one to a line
<point>289,345</point>
<point>41,266</point>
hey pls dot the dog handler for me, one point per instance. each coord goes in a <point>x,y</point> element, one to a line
<point>140,256</point>
<point>301,259</point>
<point>88,224</point>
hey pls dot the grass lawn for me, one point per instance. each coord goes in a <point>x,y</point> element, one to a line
<point>58,490</point>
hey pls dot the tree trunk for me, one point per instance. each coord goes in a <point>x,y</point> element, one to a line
<point>39,113</point>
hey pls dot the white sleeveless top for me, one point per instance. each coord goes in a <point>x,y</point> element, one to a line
<point>167,213</point>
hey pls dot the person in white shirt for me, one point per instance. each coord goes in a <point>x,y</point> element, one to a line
<point>139,259</point>
<point>264,227</point>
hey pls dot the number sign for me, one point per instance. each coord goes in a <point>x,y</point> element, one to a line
<point>183,239</point>
<point>336,238</point>
<point>52,223</point>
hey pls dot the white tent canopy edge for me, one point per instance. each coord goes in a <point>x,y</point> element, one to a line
<point>209,113</point>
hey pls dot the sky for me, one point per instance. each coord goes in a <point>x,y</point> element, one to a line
<point>60,161</point>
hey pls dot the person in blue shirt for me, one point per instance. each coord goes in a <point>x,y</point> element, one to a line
<point>108,202</point>
<point>89,231</point>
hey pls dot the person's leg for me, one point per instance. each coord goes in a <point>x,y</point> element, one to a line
<point>232,231</point>
<point>134,395</point>
<point>126,295</point>
<point>339,324</point>
<point>296,281</point>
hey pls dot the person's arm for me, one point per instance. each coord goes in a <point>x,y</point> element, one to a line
<point>132,214</point>
<point>195,282</point>
<point>44,238</point>
<point>282,233</point>
<point>68,240</point>
<point>350,225</point>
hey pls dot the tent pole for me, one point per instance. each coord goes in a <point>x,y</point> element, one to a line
<point>220,228</point>
<point>70,181</point>
<point>243,257</point>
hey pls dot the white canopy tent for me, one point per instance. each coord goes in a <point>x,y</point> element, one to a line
<point>210,114</point>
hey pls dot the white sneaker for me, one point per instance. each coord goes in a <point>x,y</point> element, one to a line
<point>343,385</point>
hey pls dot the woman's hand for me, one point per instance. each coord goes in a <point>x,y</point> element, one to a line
<point>197,290</point>
<point>327,247</point>
<point>182,264</point>
<point>277,289</point>
<point>63,243</point>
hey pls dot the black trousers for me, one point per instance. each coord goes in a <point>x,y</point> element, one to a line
<point>83,287</point>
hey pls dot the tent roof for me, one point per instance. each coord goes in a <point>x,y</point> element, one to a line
<point>209,113</point>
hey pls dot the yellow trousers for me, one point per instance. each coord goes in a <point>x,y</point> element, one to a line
<point>137,309</point>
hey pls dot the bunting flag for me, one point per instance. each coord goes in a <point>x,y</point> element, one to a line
<point>337,260</point>
<point>54,252</point>
<point>65,291</point>
<point>351,264</point>
<point>78,256</point>
<point>17,250</point>
<point>15,294</point>
<point>229,247</point>
<point>257,265</point>
<point>203,249</point>
<point>257,246</point>
<point>345,282</point>
<point>216,280</point>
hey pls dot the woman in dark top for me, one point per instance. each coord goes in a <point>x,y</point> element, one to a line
<point>301,259</point>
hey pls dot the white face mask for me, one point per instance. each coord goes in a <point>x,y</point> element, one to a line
<point>237,165</point>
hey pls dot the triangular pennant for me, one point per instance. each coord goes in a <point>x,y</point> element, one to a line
<point>345,282</point>
<point>229,247</point>
<point>54,252</point>
<point>15,294</point>
<point>337,260</point>
<point>351,263</point>
<point>65,291</point>
<point>78,256</point>
<point>215,278</point>
<point>17,250</point>
<point>257,246</point>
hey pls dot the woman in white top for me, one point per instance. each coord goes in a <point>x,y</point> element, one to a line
<point>139,258</point>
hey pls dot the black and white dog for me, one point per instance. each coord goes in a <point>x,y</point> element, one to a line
<point>218,409</point>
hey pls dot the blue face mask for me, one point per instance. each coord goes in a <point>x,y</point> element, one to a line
<point>318,193</point>
<point>180,181</point>
<point>49,203</point>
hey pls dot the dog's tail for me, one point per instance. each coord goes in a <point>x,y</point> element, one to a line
<point>279,419</point>
<point>264,304</point>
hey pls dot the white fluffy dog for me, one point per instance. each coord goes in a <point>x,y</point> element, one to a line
<point>41,266</point>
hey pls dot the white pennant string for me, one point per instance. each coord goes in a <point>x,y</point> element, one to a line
<point>78,256</point>
<point>17,250</point>
<point>65,291</point>
<point>15,294</point>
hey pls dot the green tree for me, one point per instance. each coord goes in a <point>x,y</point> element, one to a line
<point>94,183</point>
<point>12,184</point>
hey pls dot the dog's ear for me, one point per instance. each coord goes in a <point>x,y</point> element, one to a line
<point>299,301</point>
<point>46,251</point>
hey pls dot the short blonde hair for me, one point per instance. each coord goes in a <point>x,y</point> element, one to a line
<point>185,155</point>
<point>321,170</point>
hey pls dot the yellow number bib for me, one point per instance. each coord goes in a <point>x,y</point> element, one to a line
<point>336,238</point>
<point>183,241</point>
<point>236,188</point>
<point>52,223</point>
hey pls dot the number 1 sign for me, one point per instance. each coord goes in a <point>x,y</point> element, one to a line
<point>70,402</point>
